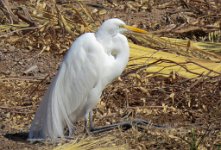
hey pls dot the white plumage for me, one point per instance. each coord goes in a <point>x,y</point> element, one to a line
<point>93,61</point>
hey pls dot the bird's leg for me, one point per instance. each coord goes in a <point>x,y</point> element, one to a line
<point>91,125</point>
<point>86,122</point>
<point>127,125</point>
<point>124,125</point>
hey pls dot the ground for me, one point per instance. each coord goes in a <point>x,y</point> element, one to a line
<point>187,110</point>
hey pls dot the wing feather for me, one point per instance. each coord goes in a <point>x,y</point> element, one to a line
<point>64,101</point>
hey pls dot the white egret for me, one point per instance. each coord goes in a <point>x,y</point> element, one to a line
<point>92,62</point>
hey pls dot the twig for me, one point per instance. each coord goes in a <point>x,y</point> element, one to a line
<point>86,11</point>
<point>135,70</point>
<point>38,85</point>
<point>17,107</point>
<point>14,109</point>
<point>150,107</point>
<point>22,78</point>
<point>203,67</point>
<point>25,19</point>
<point>183,65</point>
<point>28,28</point>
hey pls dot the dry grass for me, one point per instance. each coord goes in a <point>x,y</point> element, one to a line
<point>39,33</point>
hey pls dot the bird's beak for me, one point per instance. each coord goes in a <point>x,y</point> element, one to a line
<point>134,29</point>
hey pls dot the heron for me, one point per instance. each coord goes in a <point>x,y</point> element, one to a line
<point>93,61</point>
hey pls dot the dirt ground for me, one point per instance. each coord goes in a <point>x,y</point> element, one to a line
<point>187,109</point>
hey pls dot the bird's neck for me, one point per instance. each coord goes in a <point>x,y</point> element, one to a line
<point>118,56</point>
<point>121,59</point>
<point>105,39</point>
<point>114,44</point>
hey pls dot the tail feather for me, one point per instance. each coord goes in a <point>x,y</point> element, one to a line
<point>51,117</point>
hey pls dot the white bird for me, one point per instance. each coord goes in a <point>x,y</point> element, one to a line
<point>92,62</point>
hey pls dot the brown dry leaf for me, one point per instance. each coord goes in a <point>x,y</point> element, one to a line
<point>143,89</point>
<point>13,39</point>
<point>188,29</point>
<point>172,96</point>
<point>102,12</point>
<point>82,29</point>
<point>165,5</point>
<point>164,107</point>
<point>31,69</point>
<point>67,26</point>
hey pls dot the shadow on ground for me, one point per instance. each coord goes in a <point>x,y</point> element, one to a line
<point>18,137</point>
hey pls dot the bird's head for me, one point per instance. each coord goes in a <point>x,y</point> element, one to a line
<point>114,26</point>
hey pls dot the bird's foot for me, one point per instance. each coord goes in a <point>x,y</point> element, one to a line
<point>66,139</point>
<point>123,125</point>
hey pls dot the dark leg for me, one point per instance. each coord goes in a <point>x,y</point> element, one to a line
<point>89,125</point>
<point>123,125</point>
<point>86,122</point>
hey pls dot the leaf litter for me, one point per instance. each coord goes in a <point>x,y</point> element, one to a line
<point>37,34</point>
